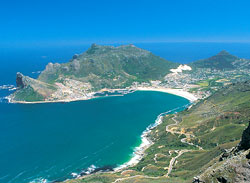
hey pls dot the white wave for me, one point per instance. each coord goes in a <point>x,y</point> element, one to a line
<point>39,180</point>
<point>75,175</point>
<point>36,72</point>
<point>8,98</point>
<point>89,170</point>
<point>7,87</point>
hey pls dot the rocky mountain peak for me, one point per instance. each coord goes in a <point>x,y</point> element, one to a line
<point>20,80</point>
<point>94,48</point>
<point>223,52</point>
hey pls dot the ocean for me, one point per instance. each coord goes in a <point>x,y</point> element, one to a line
<point>51,141</point>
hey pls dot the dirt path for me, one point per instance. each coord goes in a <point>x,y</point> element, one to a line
<point>173,159</point>
<point>183,140</point>
<point>135,176</point>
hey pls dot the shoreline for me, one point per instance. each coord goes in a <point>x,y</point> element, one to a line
<point>179,92</point>
<point>139,151</point>
<point>146,142</point>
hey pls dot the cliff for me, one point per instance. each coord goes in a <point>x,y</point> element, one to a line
<point>29,89</point>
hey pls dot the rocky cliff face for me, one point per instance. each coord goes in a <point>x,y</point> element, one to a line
<point>29,89</point>
<point>245,140</point>
<point>20,81</point>
<point>233,166</point>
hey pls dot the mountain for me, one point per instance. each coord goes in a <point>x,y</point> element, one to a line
<point>208,142</point>
<point>222,61</point>
<point>97,68</point>
<point>111,65</point>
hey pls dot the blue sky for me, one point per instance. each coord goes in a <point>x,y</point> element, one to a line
<point>72,22</point>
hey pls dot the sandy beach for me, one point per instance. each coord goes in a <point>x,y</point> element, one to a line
<point>178,92</point>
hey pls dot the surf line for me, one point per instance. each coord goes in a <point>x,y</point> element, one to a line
<point>146,142</point>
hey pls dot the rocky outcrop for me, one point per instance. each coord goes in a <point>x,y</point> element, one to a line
<point>20,80</point>
<point>245,140</point>
<point>29,89</point>
<point>75,65</point>
<point>233,165</point>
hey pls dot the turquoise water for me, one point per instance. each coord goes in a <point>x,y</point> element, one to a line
<point>51,141</point>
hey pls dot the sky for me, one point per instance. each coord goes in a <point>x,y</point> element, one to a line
<point>73,22</point>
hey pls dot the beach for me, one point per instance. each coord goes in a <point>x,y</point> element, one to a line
<point>178,92</point>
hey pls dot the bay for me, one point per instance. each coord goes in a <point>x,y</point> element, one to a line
<point>51,141</point>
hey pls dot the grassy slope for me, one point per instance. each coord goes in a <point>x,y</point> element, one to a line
<point>33,90</point>
<point>217,124</point>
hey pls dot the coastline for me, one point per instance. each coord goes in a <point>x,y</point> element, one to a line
<point>146,142</point>
<point>139,151</point>
<point>178,92</point>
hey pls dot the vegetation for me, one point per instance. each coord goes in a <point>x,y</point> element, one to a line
<point>29,95</point>
<point>30,90</point>
<point>110,67</point>
<point>221,61</point>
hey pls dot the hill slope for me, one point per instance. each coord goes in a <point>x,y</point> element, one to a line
<point>108,63</point>
<point>222,61</point>
<point>97,68</point>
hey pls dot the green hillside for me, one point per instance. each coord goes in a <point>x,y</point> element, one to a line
<point>109,66</point>
<point>222,61</point>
